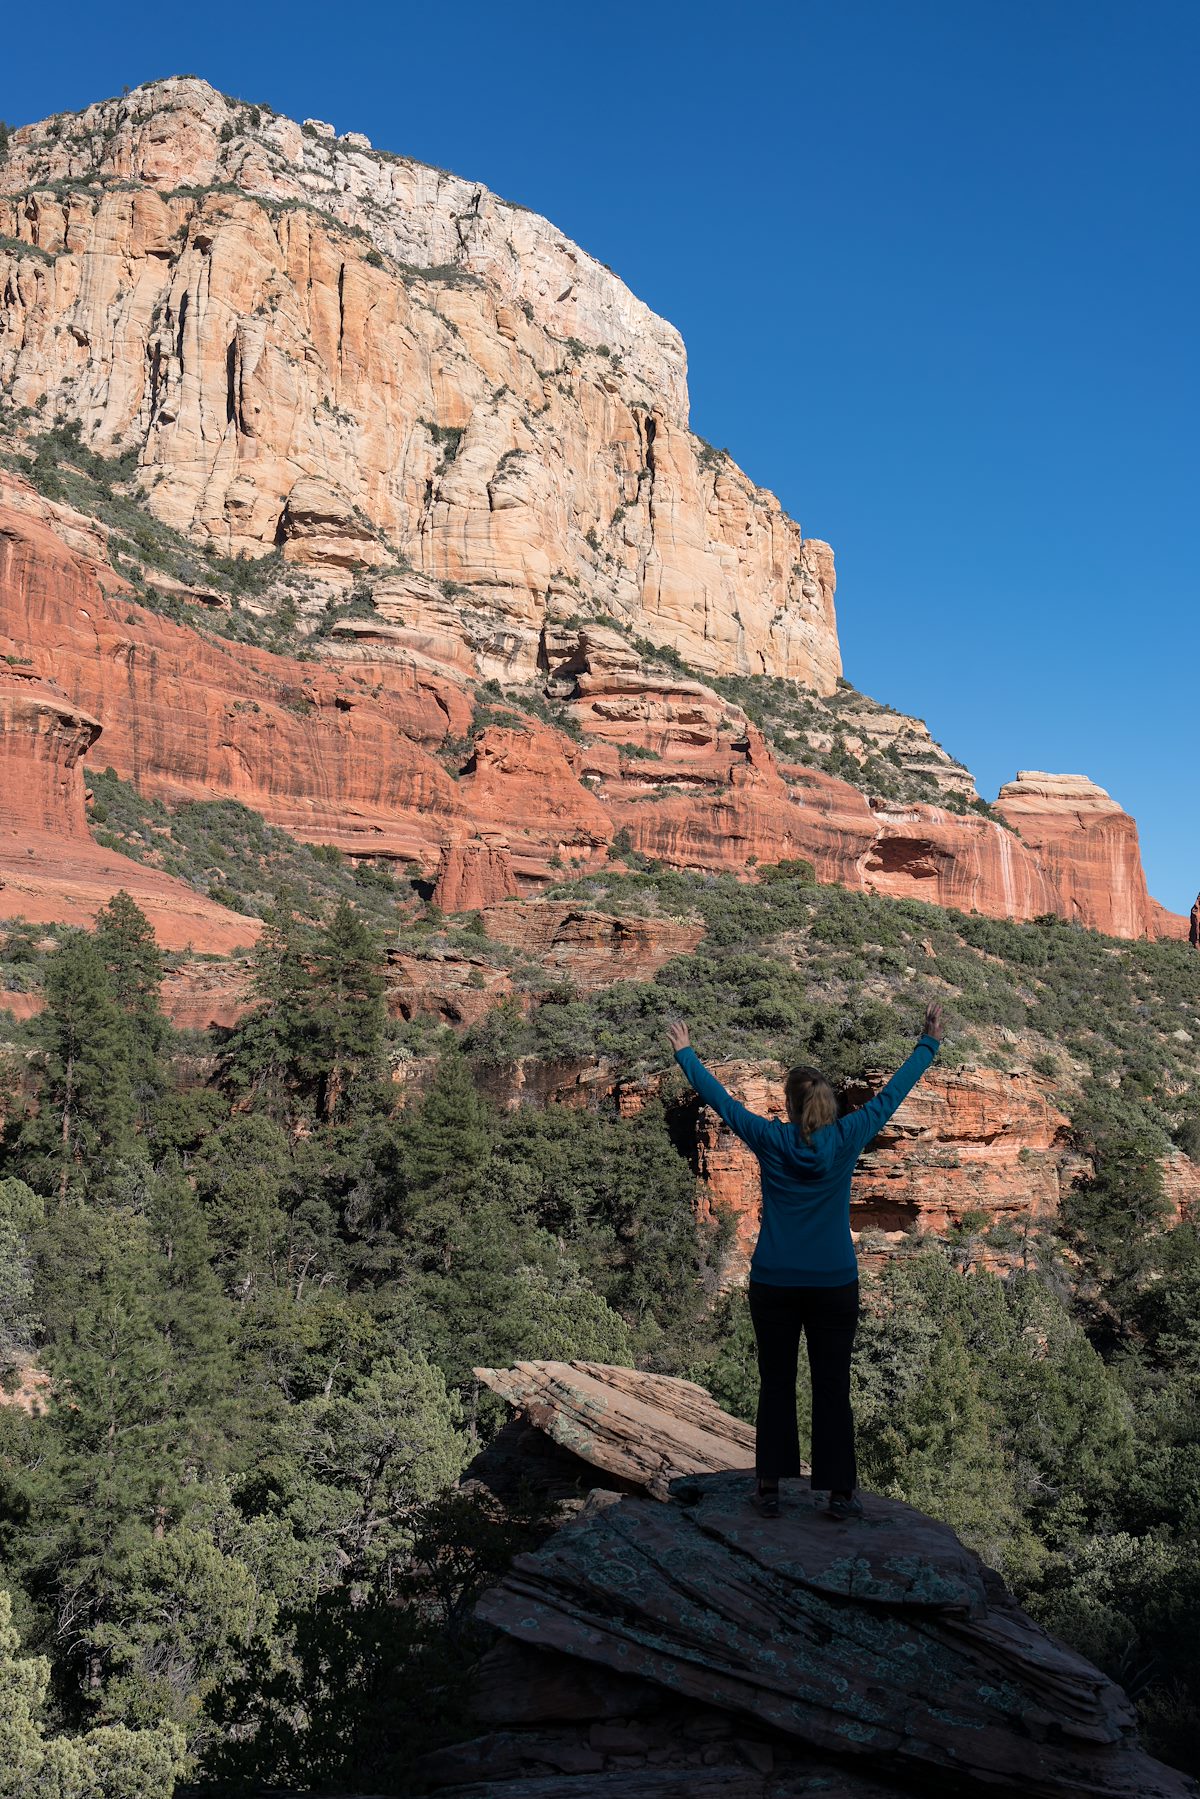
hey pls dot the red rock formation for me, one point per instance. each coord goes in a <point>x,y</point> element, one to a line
<point>449,984</point>
<point>1169,925</point>
<point>966,1141</point>
<point>333,754</point>
<point>648,1429</point>
<point>42,738</point>
<point>342,752</point>
<point>198,995</point>
<point>472,875</point>
<point>1088,847</point>
<point>51,869</point>
<point>591,949</point>
<point>1194,925</point>
<point>527,780</point>
<point>1181,1186</point>
<point>21,1005</point>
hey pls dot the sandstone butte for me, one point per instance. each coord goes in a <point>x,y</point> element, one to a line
<point>411,388</point>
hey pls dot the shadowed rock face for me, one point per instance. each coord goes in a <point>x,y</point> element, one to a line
<point>683,1645</point>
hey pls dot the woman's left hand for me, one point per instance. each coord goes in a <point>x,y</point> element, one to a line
<point>677,1034</point>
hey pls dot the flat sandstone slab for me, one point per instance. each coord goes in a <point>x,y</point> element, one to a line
<point>646,1428</point>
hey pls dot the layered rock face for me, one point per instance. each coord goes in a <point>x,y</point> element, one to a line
<point>395,379</point>
<point>665,1641</point>
<point>51,868</point>
<point>351,751</point>
<point>334,753</point>
<point>42,738</point>
<point>1088,846</point>
<point>591,949</point>
<point>369,362</point>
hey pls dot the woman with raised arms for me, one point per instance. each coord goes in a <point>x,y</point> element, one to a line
<point>804,1273</point>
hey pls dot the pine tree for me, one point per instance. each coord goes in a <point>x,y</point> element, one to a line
<point>442,1148</point>
<point>266,1050</point>
<point>85,1101</point>
<point>347,1015</point>
<point>21,1210</point>
<point>115,1761</point>
<point>130,953</point>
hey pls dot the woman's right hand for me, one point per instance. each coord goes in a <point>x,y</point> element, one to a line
<point>933,1020</point>
<point>677,1034</point>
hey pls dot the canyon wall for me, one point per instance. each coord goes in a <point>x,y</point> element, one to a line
<point>408,391</point>
<point>1088,847</point>
<point>371,364</point>
<point>362,749</point>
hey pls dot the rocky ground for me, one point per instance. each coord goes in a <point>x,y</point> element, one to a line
<point>666,1642</point>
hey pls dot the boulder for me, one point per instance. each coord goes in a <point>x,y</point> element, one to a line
<point>645,1428</point>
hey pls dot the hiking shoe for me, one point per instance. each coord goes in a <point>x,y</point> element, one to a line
<point>845,1505</point>
<point>766,1499</point>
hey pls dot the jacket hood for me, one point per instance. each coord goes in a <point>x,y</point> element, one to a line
<point>811,1160</point>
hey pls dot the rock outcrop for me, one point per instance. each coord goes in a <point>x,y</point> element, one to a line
<point>473,874</point>
<point>42,738</point>
<point>1088,847</point>
<point>589,948</point>
<point>339,755</point>
<point>51,868</point>
<point>367,361</point>
<point>682,1646</point>
<point>647,1429</point>
<point>353,752</point>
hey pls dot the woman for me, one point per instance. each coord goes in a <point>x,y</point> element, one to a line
<point>804,1276</point>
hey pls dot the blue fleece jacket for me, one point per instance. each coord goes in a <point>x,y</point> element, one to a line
<point>804,1239</point>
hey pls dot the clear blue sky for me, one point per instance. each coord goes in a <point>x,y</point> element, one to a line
<point>935,262</point>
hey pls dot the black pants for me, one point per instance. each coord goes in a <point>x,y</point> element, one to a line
<point>828,1316</point>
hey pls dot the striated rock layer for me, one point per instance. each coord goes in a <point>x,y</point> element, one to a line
<point>1088,846</point>
<point>396,380</point>
<point>354,752</point>
<point>51,868</point>
<point>370,363</point>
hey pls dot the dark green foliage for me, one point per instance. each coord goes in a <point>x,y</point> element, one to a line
<point>134,964</point>
<point>365,1688</point>
<point>313,1043</point>
<point>1113,1217</point>
<point>21,1211</point>
<point>85,1071</point>
<point>262,1286</point>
